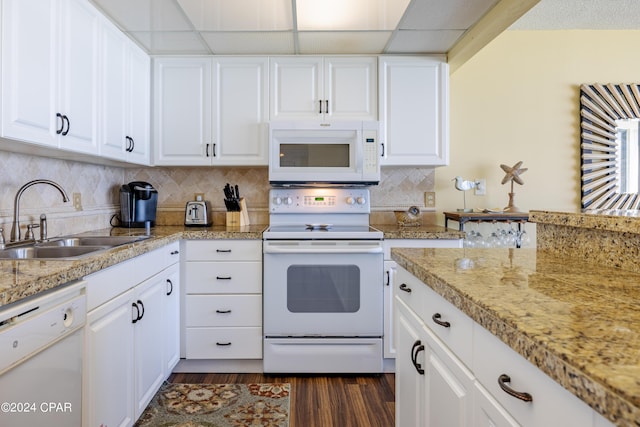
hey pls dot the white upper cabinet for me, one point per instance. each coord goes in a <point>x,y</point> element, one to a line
<point>240,111</point>
<point>414,110</point>
<point>125,99</point>
<point>210,111</point>
<point>182,111</point>
<point>49,73</point>
<point>323,88</point>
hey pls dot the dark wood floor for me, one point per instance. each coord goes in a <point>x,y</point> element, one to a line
<point>323,401</point>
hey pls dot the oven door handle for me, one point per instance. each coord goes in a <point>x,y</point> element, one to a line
<point>321,250</point>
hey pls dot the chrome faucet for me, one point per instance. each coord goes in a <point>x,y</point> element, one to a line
<point>15,227</point>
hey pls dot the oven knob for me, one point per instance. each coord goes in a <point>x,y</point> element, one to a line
<point>361,200</point>
<point>351,200</point>
<point>288,201</point>
<point>277,200</point>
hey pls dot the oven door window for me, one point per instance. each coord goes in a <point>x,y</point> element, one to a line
<point>323,288</point>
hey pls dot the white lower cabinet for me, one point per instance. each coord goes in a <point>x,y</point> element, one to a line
<point>433,388</point>
<point>109,341</point>
<point>390,278</point>
<point>131,340</point>
<point>223,299</point>
<point>450,375</point>
<point>172,318</point>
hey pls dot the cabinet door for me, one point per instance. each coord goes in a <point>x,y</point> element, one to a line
<point>296,88</point>
<point>171,318</point>
<point>29,41</point>
<point>389,336</point>
<point>108,372</point>
<point>350,86</point>
<point>113,102</point>
<point>414,110</point>
<point>410,384</point>
<point>449,386</point>
<point>182,111</point>
<point>149,338</point>
<point>138,105</point>
<point>240,111</point>
<point>78,77</point>
<point>488,412</point>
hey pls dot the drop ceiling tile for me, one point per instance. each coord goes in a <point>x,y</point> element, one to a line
<point>342,42</point>
<point>250,43</point>
<point>244,15</point>
<point>349,15</point>
<point>168,43</point>
<point>145,15</point>
<point>408,41</point>
<point>444,15</point>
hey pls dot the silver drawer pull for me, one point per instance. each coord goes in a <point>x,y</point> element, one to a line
<point>405,288</point>
<point>436,318</point>
<point>503,380</point>
<point>223,311</point>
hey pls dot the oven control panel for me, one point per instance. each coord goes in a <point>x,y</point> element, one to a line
<point>316,200</point>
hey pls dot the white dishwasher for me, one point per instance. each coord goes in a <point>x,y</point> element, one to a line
<point>41,343</point>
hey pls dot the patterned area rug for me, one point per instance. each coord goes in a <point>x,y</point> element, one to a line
<point>218,405</point>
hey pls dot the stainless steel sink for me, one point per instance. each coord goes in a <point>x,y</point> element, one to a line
<point>109,241</point>
<point>67,248</point>
<point>48,252</point>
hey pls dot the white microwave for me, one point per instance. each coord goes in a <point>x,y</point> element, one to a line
<point>324,153</point>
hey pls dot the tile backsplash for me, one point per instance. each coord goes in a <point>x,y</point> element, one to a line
<point>98,186</point>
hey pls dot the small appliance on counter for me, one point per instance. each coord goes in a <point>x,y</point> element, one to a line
<point>198,213</point>
<point>138,203</point>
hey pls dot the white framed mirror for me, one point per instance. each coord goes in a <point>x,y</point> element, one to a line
<point>610,146</point>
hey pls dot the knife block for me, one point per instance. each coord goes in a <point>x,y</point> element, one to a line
<point>238,219</point>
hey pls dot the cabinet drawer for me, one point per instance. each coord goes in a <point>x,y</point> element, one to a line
<point>552,405</point>
<point>223,278</point>
<point>409,289</point>
<point>223,250</point>
<point>223,310</point>
<point>224,343</point>
<point>458,336</point>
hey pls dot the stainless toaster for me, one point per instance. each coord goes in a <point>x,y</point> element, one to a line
<point>198,214</point>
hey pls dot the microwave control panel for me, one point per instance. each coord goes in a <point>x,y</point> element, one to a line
<point>370,164</point>
<point>316,200</point>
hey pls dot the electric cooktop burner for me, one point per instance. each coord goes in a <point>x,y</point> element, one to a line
<point>319,226</point>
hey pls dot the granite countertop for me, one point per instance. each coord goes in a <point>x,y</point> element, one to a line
<point>24,278</point>
<point>425,231</point>
<point>572,319</point>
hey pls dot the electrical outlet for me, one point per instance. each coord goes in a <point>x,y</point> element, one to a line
<point>481,188</point>
<point>430,199</point>
<point>77,201</point>
<point>198,196</point>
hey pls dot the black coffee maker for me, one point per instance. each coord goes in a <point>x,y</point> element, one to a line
<point>138,203</point>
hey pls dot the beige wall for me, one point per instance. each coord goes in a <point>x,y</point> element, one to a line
<point>518,99</point>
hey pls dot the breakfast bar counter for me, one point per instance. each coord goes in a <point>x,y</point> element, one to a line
<point>576,321</point>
